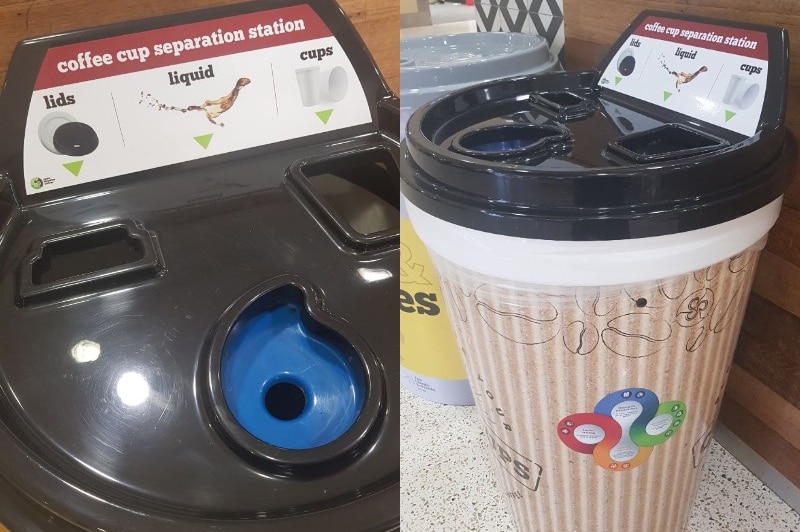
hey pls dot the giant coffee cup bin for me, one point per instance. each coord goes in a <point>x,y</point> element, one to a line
<point>596,235</point>
<point>430,67</point>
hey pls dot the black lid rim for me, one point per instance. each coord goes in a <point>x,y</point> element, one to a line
<point>609,222</point>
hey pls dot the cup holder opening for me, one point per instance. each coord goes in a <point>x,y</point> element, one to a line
<point>285,400</point>
<point>89,259</point>
<point>562,98</point>
<point>358,190</point>
<point>669,141</point>
<point>563,105</point>
<point>86,254</point>
<point>508,141</point>
<point>288,379</point>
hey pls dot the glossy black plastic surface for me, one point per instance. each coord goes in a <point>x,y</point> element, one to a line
<point>115,300</point>
<point>623,169</point>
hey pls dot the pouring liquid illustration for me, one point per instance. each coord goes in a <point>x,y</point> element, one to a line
<point>212,108</point>
<point>681,77</point>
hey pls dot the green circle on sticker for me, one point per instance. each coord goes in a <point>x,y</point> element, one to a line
<point>37,183</point>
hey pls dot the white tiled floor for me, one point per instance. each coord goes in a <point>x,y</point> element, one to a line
<point>448,482</point>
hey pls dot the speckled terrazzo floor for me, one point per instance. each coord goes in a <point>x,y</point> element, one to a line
<point>448,484</point>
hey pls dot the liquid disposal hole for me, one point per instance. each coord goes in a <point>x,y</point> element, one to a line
<point>508,139</point>
<point>285,401</point>
<point>85,254</point>
<point>362,188</point>
<point>288,379</point>
<point>665,140</point>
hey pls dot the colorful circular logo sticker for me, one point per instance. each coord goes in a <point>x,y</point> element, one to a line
<point>37,183</point>
<point>623,429</point>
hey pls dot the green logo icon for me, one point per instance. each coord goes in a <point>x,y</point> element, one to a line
<point>667,94</point>
<point>37,183</point>
<point>729,115</point>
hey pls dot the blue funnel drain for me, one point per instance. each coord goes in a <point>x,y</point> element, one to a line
<point>287,379</point>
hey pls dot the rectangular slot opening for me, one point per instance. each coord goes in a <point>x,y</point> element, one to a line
<point>669,141</point>
<point>562,98</point>
<point>362,189</point>
<point>85,254</point>
<point>563,105</point>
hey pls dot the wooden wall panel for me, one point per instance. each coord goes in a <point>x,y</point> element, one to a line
<point>769,350</point>
<point>784,239</point>
<point>377,21</point>
<point>780,415</point>
<point>778,280</point>
<point>748,426</point>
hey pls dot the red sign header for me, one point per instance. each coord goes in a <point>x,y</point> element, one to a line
<point>737,41</point>
<point>146,50</point>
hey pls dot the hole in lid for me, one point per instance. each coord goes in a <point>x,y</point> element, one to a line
<point>85,254</point>
<point>562,98</point>
<point>665,142</point>
<point>288,379</point>
<point>362,188</point>
<point>508,140</point>
<point>564,105</point>
<point>285,401</point>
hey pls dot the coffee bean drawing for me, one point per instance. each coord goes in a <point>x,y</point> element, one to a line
<point>580,337</point>
<point>633,322</point>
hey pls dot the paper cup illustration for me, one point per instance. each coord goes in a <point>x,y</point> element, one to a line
<point>308,81</point>
<point>333,85</point>
<point>740,92</point>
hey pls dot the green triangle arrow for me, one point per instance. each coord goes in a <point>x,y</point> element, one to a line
<point>617,79</point>
<point>729,115</point>
<point>324,115</point>
<point>74,167</point>
<point>667,94</point>
<point>204,140</point>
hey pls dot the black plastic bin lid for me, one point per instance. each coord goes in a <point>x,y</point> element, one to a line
<point>680,127</point>
<point>199,253</point>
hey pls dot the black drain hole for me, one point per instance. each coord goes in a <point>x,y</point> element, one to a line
<point>285,401</point>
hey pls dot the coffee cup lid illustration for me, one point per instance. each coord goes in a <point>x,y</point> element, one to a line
<point>626,62</point>
<point>62,134</point>
<point>75,139</point>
